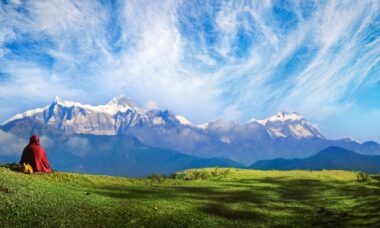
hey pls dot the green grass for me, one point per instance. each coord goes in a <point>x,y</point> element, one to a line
<point>222,198</point>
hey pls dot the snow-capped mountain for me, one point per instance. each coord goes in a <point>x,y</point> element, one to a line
<point>113,118</point>
<point>286,135</point>
<point>284,124</point>
<point>120,114</point>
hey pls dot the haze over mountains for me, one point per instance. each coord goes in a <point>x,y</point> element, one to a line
<point>72,129</point>
<point>329,158</point>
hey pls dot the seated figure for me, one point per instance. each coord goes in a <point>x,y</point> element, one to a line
<point>35,156</point>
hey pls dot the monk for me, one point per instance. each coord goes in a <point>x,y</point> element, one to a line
<point>35,156</point>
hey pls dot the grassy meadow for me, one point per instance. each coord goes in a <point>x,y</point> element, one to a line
<point>194,198</point>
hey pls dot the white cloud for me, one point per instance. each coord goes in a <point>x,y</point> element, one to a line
<point>78,146</point>
<point>45,141</point>
<point>232,112</point>
<point>319,87</point>
<point>151,105</point>
<point>11,144</point>
<point>31,83</point>
<point>206,59</point>
<point>149,59</point>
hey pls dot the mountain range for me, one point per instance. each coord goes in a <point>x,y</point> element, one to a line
<point>66,124</point>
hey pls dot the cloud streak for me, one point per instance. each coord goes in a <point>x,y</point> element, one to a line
<point>204,60</point>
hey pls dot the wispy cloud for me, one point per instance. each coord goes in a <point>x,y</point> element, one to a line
<point>205,60</point>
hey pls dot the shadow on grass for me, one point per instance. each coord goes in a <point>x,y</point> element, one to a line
<point>13,166</point>
<point>4,189</point>
<point>214,202</point>
<point>304,201</point>
<point>221,210</point>
<point>367,201</point>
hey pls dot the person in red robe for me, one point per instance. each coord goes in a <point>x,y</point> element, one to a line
<point>35,156</point>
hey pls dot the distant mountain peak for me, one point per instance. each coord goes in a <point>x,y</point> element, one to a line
<point>183,120</point>
<point>121,103</point>
<point>285,124</point>
<point>121,100</point>
<point>285,116</point>
<point>115,117</point>
<point>334,149</point>
<point>333,157</point>
<point>285,134</point>
<point>65,103</point>
<point>203,126</point>
<point>280,117</point>
<point>348,139</point>
<point>120,113</point>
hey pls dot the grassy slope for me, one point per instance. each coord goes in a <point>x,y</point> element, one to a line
<point>243,197</point>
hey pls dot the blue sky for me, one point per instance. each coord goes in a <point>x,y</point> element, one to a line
<point>203,59</point>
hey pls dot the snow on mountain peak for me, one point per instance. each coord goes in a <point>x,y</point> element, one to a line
<point>203,126</point>
<point>109,119</point>
<point>65,103</point>
<point>279,117</point>
<point>183,120</point>
<point>121,103</point>
<point>285,116</point>
<point>349,139</point>
<point>118,104</point>
<point>289,124</point>
<point>25,114</point>
<point>121,100</point>
<point>121,112</point>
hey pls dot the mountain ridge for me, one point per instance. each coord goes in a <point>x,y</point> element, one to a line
<point>123,104</point>
<point>333,157</point>
<point>284,134</point>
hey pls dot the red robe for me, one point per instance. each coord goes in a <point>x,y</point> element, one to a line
<point>35,156</point>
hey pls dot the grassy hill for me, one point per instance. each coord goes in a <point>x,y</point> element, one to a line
<point>232,197</point>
